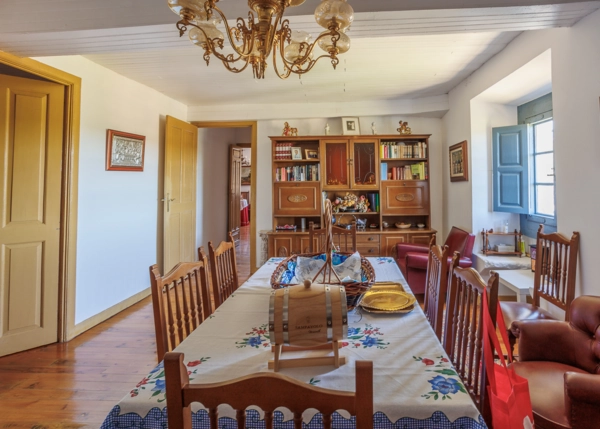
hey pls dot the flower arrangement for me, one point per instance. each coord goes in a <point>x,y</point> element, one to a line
<point>351,203</point>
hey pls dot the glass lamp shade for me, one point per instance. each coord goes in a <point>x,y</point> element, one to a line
<point>343,44</point>
<point>334,10</point>
<point>198,38</point>
<point>195,6</point>
<point>296,2</point>
<point>292,51</point>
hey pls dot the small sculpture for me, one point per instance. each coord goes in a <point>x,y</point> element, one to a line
<point>327,129</point>
<point>289,131</point>
<point>373,128</point>
<point>404,128</point>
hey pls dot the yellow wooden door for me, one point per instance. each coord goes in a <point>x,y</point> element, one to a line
<point>179,207</point>
<point>31,141</point>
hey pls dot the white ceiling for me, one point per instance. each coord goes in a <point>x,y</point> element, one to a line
<point>400,49</point>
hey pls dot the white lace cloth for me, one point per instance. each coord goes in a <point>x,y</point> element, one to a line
<point>412,375</point>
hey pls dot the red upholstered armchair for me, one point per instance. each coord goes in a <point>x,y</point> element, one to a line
<point>561,361</point>
<point>412,258</point>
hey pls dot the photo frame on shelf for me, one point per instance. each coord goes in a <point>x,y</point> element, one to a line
<point>246,176</point>
<point>296,153</point>
<point>350,127</point>
<point>311,154</point>
<point>124,151</point>
<point>459,162</point>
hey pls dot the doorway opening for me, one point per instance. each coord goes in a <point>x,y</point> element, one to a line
<point>226,193</point>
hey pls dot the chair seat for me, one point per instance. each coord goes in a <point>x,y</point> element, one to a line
<point>547,401</point>
<point>522,311</point>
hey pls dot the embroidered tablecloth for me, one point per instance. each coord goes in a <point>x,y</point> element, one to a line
<point>415,386</point>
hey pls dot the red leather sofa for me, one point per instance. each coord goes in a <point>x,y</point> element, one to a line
<point>412,258</point>
<point>561,361</point>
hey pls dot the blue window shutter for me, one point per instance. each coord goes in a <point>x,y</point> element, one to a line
<point>511,171</point>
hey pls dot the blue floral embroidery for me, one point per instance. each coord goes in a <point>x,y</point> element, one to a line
<point>353,331</point>
<point>445,386</point>
<point>254,341</point>
<point>257,337</point>
<point>159,386</point>
<point>369,341</point>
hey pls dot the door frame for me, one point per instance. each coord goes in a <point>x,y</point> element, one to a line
<point>69,185</point>
<point>253,125</point>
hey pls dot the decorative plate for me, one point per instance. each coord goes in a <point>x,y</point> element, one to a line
<point>402,311</point>
<point>403,225</point>
<point>387,300</point>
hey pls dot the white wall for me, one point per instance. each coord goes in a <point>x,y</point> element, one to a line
<point>576,92</point>
<point>212,190</point>
<point>485,116</point>
<point>117,210</point>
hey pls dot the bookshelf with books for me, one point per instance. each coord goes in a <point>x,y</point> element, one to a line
<point>387,173</point>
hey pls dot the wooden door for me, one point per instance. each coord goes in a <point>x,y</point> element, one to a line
<point>335,164</point>
<point>405,197</point>
<point>235,180</point>
<point>364,166</point>
<point>31,145</point>
<point>179,202</point>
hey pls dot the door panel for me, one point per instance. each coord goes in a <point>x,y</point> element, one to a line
<point>297,199</point>
<point>405,197</point>
<point>181,141</point>
<point>31,145</point>
<point>235,180</point>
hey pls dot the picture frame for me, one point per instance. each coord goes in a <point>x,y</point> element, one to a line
<point>246,175</point>
<point>296,153</point>
<point>350,127</point>
<point>459,162</point>
<point>311,154</point>
<point>124,151</point>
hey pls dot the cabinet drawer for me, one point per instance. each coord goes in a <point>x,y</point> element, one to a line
<point>405,197</point>
<point>367,239</point>
<point>368,250</point>
<point>297,199</point>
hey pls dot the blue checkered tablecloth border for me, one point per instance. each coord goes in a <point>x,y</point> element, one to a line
<point>157,419</point>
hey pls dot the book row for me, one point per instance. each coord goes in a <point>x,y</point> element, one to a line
<point>298,173</point>
<point>417,171</point>
<point>396,150</point>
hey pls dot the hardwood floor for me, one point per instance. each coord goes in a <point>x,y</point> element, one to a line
<point>76,384</point>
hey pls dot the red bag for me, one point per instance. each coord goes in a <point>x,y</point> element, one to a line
<point>508,392</point>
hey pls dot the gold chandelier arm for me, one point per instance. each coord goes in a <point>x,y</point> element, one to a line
<point>241,28</point>
<point>228,63</point>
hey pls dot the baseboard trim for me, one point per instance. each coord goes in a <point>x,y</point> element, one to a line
<point>80,328</point>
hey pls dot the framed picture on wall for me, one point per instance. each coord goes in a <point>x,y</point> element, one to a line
<point>246,171</point>
<point>459,162</point>
<point>124,151</point>
<point>350,127</point>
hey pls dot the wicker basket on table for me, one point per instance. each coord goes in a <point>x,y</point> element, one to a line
<point>327,275</point>
<point>354,290</point>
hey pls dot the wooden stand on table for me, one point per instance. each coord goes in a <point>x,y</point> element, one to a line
<point>335,360</point>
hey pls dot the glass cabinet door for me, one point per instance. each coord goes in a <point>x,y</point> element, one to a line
<point>364,166</point>
<point>335,155</point>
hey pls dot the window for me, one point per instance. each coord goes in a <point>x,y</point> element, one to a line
<point>543,168</point>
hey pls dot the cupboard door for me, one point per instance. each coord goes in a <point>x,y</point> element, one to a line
<point>297,199</point>
<point>335,154</point>
<point>304,244</point>
<point>388,244</point>
<point>365,165</point>
<point>420,238</point>
<point>280,245</point>
<point>405,197</point>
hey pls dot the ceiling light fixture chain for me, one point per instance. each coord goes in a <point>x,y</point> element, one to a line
<point>265,33</point>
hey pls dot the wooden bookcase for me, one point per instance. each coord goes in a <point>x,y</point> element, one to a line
<point>391,170</point>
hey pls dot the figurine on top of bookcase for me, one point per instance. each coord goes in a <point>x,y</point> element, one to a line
<point>404,128</point>
<point>289,131</point>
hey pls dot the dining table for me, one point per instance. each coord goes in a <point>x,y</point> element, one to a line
<point>415,384</point>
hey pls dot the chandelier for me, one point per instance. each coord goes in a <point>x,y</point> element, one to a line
<point>265,32</point>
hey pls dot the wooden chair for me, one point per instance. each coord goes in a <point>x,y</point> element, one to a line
<point>436,286</point>
<point>180,301</point>
<point>463,336</point>
<point>554,280</point>
<point>267,391</point>
<point>343,239</point>
<point>223,269</point>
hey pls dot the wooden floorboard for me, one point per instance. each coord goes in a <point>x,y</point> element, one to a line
<point>76,384</point>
